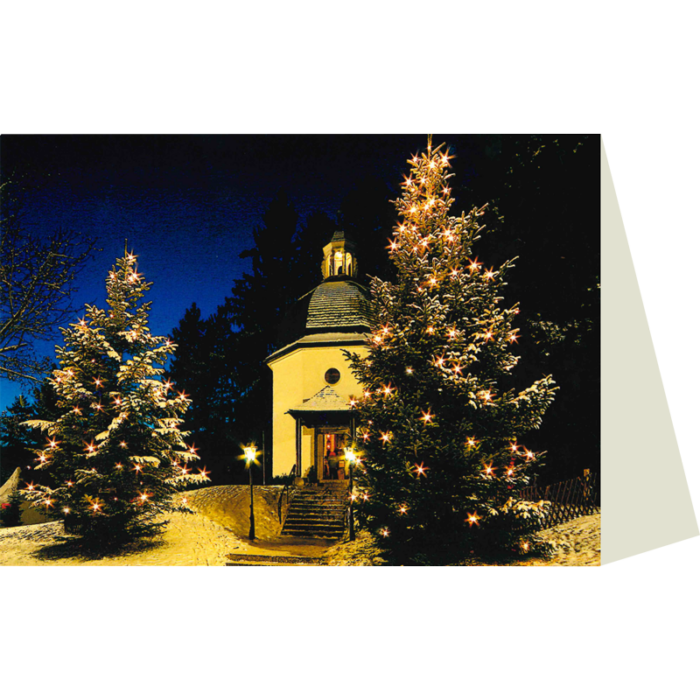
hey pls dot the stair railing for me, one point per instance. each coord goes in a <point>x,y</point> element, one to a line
<point>285,492</point>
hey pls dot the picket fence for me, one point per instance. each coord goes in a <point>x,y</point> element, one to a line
<point>569,499</point>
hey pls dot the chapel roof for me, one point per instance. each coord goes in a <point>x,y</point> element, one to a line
<point>338,304</point>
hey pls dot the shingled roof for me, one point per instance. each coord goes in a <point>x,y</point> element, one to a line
<point>338,305</point>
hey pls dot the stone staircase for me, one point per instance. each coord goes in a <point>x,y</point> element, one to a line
<point>318,511</point>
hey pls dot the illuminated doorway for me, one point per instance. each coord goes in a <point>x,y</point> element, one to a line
<point>331,464</point>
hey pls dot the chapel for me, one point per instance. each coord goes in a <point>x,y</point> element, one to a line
<point>311,379</point>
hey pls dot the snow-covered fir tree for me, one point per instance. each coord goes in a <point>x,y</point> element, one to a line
<point>440,424</point>
<point>116,454</point>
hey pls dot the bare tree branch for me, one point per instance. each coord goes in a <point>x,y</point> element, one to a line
<point>37,280</point>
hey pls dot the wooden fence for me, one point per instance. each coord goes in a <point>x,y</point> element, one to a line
<point>569,499</point>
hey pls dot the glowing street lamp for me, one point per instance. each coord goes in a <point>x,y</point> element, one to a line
<point>250,454</point>
<point>351,457</point>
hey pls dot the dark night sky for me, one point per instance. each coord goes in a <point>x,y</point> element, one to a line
<point>187,205</point>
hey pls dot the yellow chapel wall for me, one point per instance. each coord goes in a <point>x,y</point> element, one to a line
<point>298,376</point>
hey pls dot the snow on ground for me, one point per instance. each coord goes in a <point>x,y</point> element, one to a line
<point>219,527</point>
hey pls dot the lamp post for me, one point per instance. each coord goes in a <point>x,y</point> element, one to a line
<point>250,454</point>
<point>350,456</point>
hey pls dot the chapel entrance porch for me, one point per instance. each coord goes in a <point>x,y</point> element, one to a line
<point>321,443</point>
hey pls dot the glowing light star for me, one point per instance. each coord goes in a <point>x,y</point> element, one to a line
<point>474,264</point>
<point>99,406</point>
<point>525,546</point>
<point>69,483</point>
<point>42,458</point>
<point>96,506</point>
<point>367,394</point>
<point>52,443</point>
<point>457,370</point>
<point>488,335</point>
<point>473,519</point>
<point>365,437</point>
<point>440,361</point>
<point>66,510</point>
<point>119,465</point>
<point>385,532</point>
<point>117,401</point>
<point>433,281</point>
<point>353,497</point>
<point>90,448</point>
<point>168,385</point>
<point>122,444</point>
<point>387,390</point>
<point>413,210</point>
<point>409,370</point>
<point>452,333</point>
<point>353,403</point>
<point>182,395</point>
<point>454,272</point>
<point>430,330</point>
<point>137,468</point>
<point>510,472</point>
<point>184,501</point>
<point>403,510</point>
<point>77,410</point>
<point>420,469</point>
<point>488,469</point>
<point>393,246</point>
<point>365,497</point>
<point>513,448</point>
<point>30,487</point>
<point>513,338</point>
<point>98,382</point>
<point>144,497</point>
<point>487,396</point>
<point>48,503</point>
<point>203,472</point>
<point>472,442</point>
<point>529,455</point>
<point>426,417</point>
<point>193,450</point>
<point>386,437</point>
<point>377,339</point>
<point>489,274</point>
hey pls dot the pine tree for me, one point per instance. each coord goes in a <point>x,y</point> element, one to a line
<point>440,425</point>
<point>116,452</point>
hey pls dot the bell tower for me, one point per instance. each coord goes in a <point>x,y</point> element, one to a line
<point>339,257</point>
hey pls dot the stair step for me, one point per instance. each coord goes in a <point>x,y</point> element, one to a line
<point>317,512</point>
<point>270,560</point>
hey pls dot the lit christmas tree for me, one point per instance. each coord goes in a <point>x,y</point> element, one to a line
<point>439,426</point>
<point>116,454</point>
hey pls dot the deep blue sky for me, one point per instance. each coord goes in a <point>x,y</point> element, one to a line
<point>186,204</point>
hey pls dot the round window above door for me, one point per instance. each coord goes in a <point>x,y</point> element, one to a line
<point>332,376</point>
